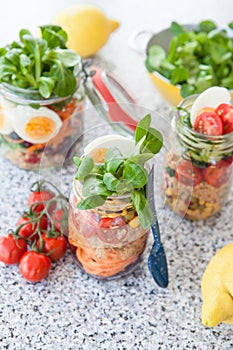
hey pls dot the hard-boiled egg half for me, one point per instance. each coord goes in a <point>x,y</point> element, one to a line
<point>125,145</point>
<point>210,98</point>
<point>35,125</point>
<point>5,118</point>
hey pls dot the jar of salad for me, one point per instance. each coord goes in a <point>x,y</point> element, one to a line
<point>108,240</point>
<point>41,100</point>
<point>198,165</point>
<point>109,215</point>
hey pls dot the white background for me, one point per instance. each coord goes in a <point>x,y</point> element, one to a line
<point>132,14</point>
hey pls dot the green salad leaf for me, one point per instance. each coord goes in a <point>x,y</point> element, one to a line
<point>195,59</point>
<point>119,175</point>
<point>44,64</point>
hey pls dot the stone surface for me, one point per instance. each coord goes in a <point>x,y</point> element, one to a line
<point>70,310</point>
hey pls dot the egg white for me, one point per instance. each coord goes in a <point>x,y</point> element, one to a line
<point>22,116</point>
<point>125,145</point>
<point>5,118</point>
<point>212,98</point>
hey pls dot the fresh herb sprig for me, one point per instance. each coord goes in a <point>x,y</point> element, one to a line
<point>196,60</point>
<point>44,64</point>
<point>119,175</point>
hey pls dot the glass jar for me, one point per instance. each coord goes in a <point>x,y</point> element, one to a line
<point>198,168</point>
<point>37,133</point>
<point>107,241</point>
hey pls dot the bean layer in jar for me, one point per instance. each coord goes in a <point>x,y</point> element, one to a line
<point>194,192</point>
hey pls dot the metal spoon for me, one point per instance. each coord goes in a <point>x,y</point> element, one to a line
<point>157,262</point>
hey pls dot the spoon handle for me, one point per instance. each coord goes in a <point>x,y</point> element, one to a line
<point>157,262</point>
<point>150,196</point>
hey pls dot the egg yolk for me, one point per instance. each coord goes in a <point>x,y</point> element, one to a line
<point>2,118</point>
<point>98,155</point>
<point>39,127</point>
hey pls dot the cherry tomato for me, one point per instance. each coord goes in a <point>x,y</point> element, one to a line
<point>34,266</point>
<point>28,229</point>
<point>60,221</point>
<point>209,123</point>
<point>42,196</point>
<point>108,230</point>
<point>188,174</point>
<point>56,246</point>
<point>218,174</point>
<point>12,249</point>
<point>225,112</point>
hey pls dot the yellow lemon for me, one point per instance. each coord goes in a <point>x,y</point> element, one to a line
<point>87,27</point>
<point>217,288</point>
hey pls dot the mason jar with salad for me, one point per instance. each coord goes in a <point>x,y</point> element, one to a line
<point>109,215</point>
<point>198,165</point>
<point>41,100</point>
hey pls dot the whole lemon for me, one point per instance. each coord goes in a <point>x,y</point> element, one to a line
<point>87,27</point>
<point>217,288</point>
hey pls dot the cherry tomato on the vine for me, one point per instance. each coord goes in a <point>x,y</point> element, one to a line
<point>11,249</point>
<point>34,266</point>
<point>54,246</point>
<point>28,229</point>
<point>60,221</point>
<point>42,196</point>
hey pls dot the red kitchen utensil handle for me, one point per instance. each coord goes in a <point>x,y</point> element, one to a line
<point>115,112</point>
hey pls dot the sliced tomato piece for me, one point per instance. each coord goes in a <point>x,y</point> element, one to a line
<point>229,160</point>
<point>217,174</point>
<point>105,223</point>
<point>225,112</point>
<point>188,174</point>
<point>209,123</point>
<point>109,231</point>
<point>87,222</point>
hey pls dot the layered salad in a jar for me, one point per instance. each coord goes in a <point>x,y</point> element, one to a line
<point>41,99</point>
<point>198,168</point>
<point>109,215</point>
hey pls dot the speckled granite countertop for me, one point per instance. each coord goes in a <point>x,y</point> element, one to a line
<point>70,310</point>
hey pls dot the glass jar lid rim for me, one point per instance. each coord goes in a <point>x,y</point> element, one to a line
<point>198,135</point>
<point>123,201</point>
<point>17,94</point>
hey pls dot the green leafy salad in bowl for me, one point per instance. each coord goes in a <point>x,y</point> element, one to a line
<point>195,58</point>
<point>44,64</point>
